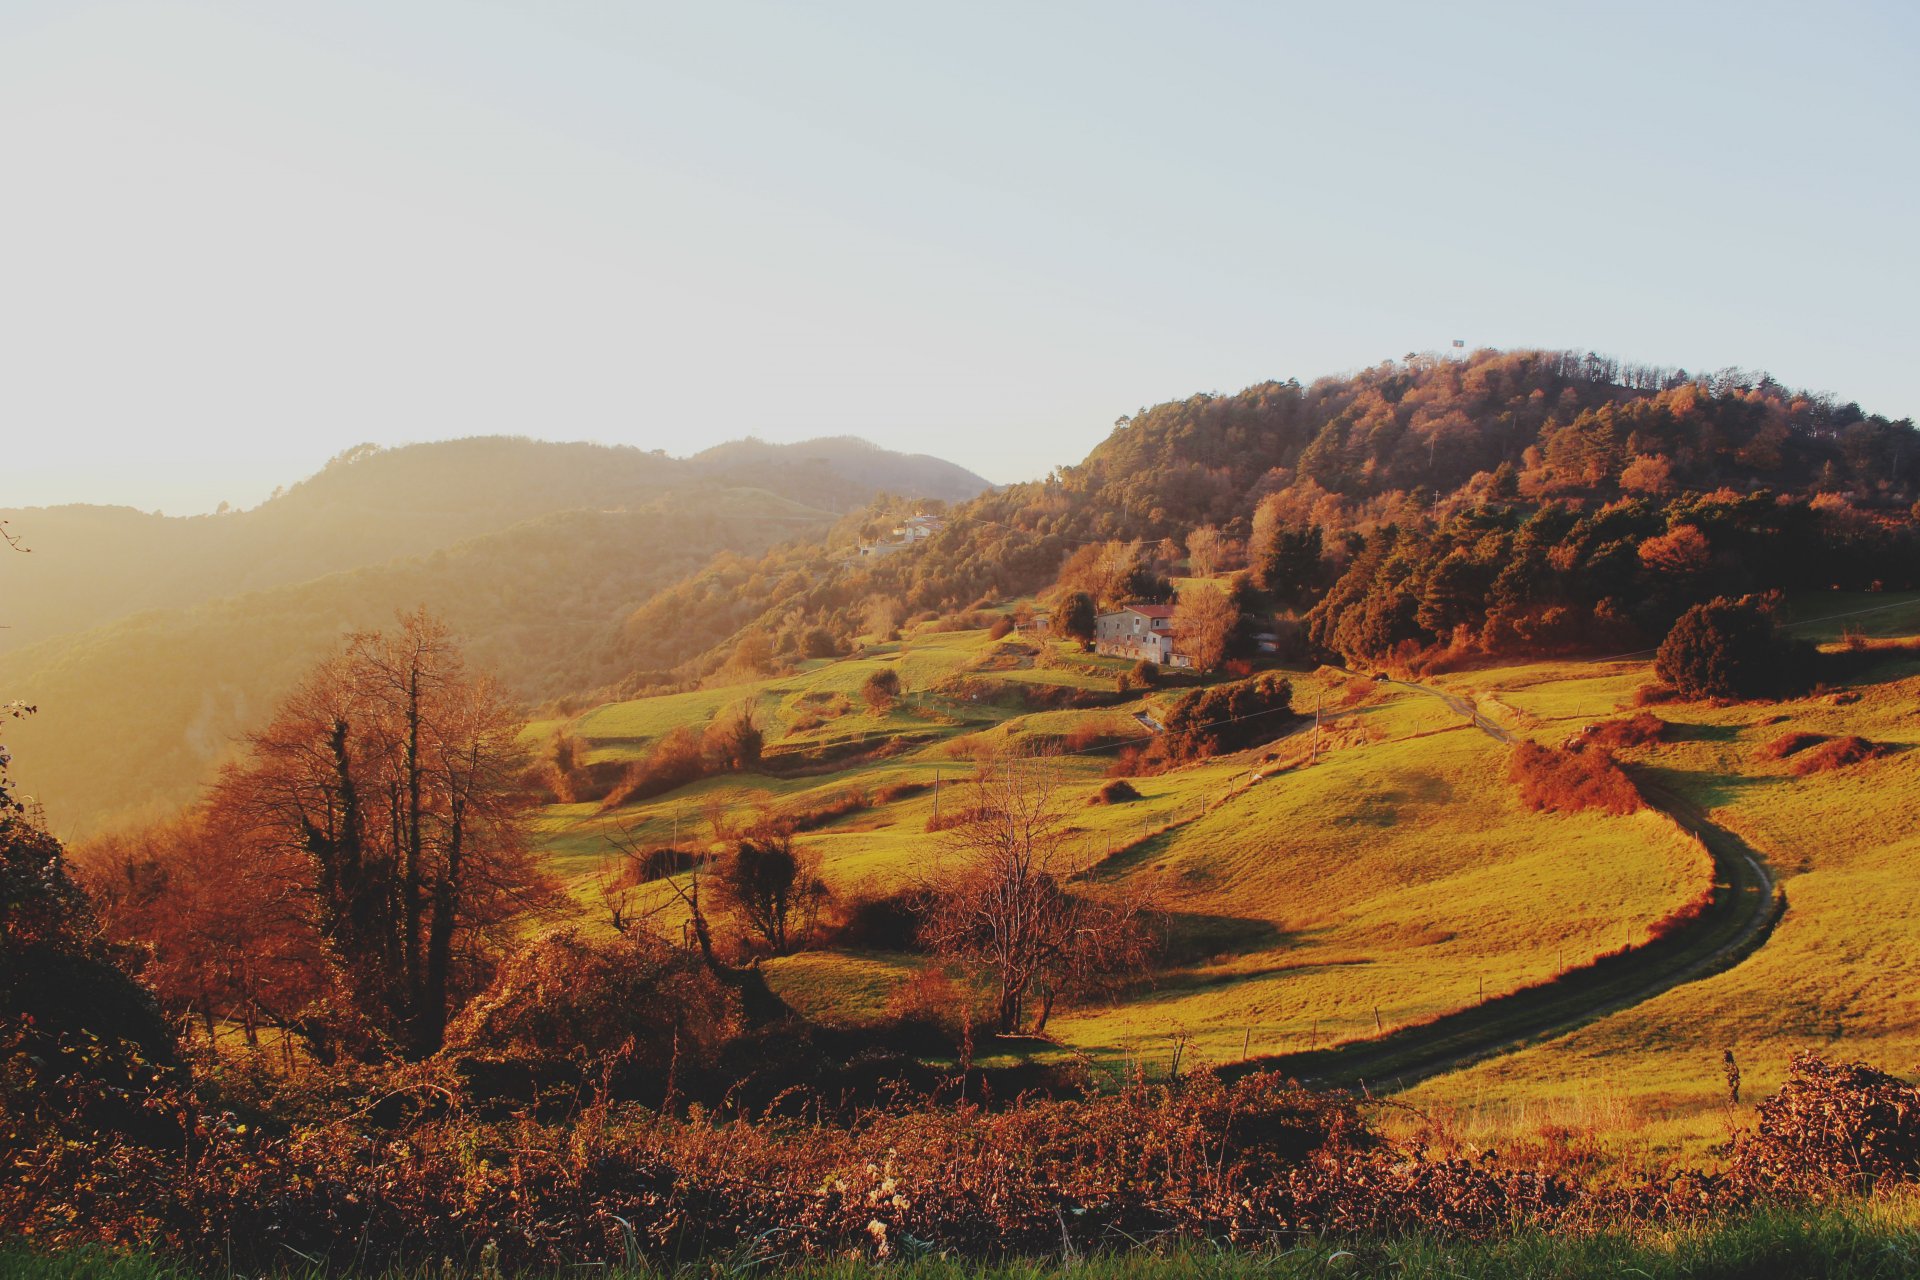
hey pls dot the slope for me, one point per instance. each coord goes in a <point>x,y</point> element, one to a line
<point>134,715</point>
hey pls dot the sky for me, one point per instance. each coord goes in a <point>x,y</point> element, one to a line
<point>238,238</point>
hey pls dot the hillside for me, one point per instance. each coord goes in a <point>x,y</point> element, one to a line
<point>1406,490</point>
<point>369,505</point>
<point>134,714</point>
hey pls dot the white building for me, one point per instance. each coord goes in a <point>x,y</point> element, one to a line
<point>1139,631</point>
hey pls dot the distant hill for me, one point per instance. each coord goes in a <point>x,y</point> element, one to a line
<point>866,465</point>
<point>149,642</point>
<point>134,715</point>
<point>93,564</point>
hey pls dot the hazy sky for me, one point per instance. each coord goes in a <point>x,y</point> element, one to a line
<point>236,238</point>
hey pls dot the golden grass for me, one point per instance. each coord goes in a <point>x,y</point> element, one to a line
<point>1399,873</point>
<point>1841,972</point>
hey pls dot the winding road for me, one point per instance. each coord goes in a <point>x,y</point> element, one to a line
<point>1742,910</point>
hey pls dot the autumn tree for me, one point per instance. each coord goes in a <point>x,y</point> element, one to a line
<point>1285,556</point>
<point>1204,621</point>
<point>1204,550</point>
<point>1682,551</point>
<point>999,896</point>
<point>227,926</point>
<point>735,740</point>
<point>1077,617</point>
<point>881,690</point>
<point>388,778</point>
<point>772,886</point>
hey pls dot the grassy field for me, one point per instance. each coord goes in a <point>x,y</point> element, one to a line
<point>1329,887</point>
<point>1378,873</point>
<point>1840,973</point>
<point>1875,1240</point>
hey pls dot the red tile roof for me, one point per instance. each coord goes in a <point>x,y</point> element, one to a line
<point>1151,610</point>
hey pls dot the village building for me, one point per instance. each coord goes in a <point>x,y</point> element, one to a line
<point>909,532</point>
<point>1140,631</point>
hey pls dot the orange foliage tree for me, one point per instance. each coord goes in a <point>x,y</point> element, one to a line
<point>387,781</point>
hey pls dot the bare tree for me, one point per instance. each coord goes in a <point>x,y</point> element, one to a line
<point>998,897</point>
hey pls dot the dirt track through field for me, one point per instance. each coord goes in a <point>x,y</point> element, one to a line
<point>1741,911</point>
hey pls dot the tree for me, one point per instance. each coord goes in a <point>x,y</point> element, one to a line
<point>1077,618</point>
<point>1205,546</point>
<point>1731,649</point>
<point>1648,473</point>
<point>389,778</point>
<point>734,741</point>
<point>1204,620</point>
<point>775,888</point>
<point>881,690</point>
<point>1285,557</point>
<point>227,926</point>
<point>1681,552</point>
<point>819,642</point>
<point>998,899</point>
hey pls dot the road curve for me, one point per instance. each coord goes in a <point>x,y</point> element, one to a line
<point>1742,909</point>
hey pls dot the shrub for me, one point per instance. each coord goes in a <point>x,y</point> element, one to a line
<point>677,758</point>
<point>1227,717</point>
<point>887,922</point>
<point>1118,791</point>
<point>812,815</point>
<point>659,864</point>
<point>1145,675</point>
<point>898,791</point>
<point>1002,628</point>
<point>1830,1129</point>
<point>1838,754</point>
<point>1569,781</point>
<point>1788,744</point>
<point>932,999</point>
<point>1638,730</point>
<point>1731,649</point>
<point>563,996</point>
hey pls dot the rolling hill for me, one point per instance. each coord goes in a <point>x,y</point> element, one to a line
<point>148,642</point>
<point>369,505</point>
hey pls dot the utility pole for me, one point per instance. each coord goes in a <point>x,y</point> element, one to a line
<point>1315,757</point>
<point>936,799</point>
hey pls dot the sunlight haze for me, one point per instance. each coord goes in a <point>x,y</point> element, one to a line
<point>241,238</point>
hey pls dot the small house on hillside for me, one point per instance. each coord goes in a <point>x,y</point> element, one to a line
<point>1139,631</point>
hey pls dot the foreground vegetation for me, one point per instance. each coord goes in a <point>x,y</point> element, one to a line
<point>1877,1240</point>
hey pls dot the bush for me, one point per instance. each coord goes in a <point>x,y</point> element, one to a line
<point>1831,1129</point>
<point>632,996</point>
<point>1731,649</point>
<point>1118,791</point>
<point>1569,781</point>
<point>1838,754</point>
<point>1638,730</point>
<point>1227,717</point>
<point>1145,675</point>
<point>887,922</point>
<point>677,758</point>
<point>1788,744</point>
<point>1002,628</point>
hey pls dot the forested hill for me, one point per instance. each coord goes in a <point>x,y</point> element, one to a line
<point>1432,454</point>
<point>134,715</point>
<point>370,505</point>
